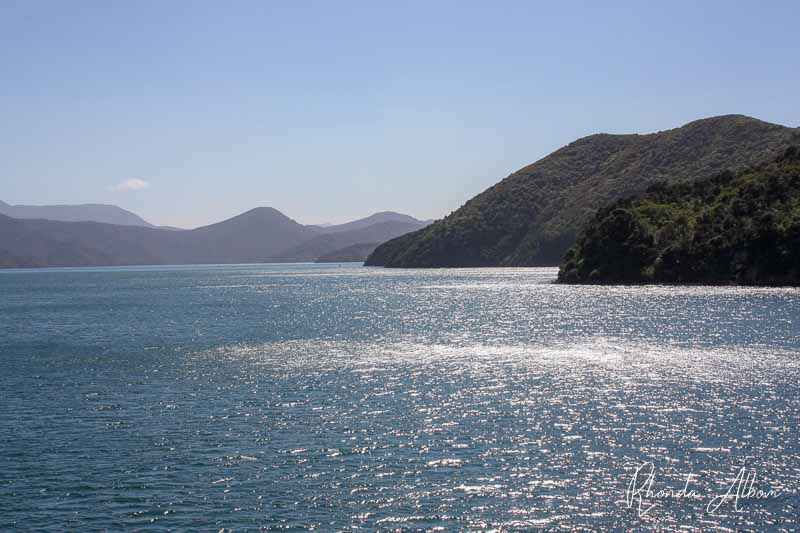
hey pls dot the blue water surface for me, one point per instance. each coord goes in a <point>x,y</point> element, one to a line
<point>339,397</point>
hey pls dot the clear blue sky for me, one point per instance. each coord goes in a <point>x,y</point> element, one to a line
<point>332,110</point>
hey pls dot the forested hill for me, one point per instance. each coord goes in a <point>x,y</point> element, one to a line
<point>532,217</point>
<point>734,228</point>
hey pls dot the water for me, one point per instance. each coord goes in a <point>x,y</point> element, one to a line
<point>292,397</point>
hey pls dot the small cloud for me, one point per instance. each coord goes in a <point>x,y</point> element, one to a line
<point>134,184</point>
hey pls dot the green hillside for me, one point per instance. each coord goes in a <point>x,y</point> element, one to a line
<point>533,216</point>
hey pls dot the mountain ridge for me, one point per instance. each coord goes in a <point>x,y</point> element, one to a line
<point>105,213</point>
<point>262,234</point>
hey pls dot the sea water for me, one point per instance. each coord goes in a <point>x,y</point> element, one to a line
<point>339,397</point>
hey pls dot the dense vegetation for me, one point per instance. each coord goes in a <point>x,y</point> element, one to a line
<point>533,216</point>
<point>741,228</point>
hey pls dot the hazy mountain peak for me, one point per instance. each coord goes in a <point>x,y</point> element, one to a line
<point>389,213</point>
<point>263,210</point>
<point>375,218</point>
<point>258,217</point>
<point>105,213</point>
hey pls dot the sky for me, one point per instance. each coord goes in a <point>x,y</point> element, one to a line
<point>188,113</point>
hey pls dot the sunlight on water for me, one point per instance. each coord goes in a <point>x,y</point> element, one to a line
<point>303,397</point>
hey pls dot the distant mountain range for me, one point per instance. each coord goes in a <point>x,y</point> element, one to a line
<point>533,216</point>
<point>263,234</point>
